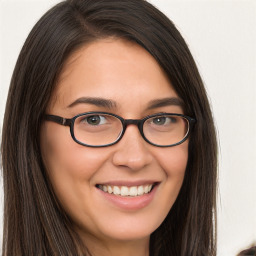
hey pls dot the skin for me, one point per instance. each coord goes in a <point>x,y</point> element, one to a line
<point>127,74</point>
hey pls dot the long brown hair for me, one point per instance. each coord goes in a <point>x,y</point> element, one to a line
<point>34,222</point>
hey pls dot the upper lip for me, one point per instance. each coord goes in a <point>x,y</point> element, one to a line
<point>129,183</point>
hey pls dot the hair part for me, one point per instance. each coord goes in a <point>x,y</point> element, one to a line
<point>34,221</point>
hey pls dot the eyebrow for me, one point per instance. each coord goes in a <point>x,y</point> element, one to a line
<point>110,104</point>
<point>99,102</point>
<point>165,102</point>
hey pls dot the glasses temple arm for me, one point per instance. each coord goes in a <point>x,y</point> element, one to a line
<point>58,120</point>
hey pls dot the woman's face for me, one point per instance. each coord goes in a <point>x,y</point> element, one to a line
<point>129,78</point>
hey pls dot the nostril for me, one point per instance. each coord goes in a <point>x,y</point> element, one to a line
<point>132,158</point>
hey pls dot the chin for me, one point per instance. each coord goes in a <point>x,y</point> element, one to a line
<point>131,229</point>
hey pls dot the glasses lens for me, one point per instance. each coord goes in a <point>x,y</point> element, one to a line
<point>97,129</point>
<point>166,130</point>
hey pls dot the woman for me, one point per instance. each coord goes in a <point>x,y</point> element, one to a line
<point>85,171</point>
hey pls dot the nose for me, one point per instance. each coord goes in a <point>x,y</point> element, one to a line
<point>132,151</point>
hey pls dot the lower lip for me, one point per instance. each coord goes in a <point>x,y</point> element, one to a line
<point>130,203</point>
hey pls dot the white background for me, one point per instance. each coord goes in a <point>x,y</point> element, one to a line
<point>222,37</point>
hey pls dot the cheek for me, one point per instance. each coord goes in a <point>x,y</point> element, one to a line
<point>62,155</point>
<point>174,162</point>
<point>68,164</point>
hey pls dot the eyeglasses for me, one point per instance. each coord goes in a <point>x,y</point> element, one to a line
<point>101,129</point>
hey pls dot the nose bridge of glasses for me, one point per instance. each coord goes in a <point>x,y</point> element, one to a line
<point>137,122</point>
<point>131,121</point>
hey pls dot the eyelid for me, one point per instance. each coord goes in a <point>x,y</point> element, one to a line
<point>164,114</point>
<point>101,116</point>
<point>176,110</point>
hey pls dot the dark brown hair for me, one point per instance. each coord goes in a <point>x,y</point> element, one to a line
<point>34,222</point>
<point>248,252</point>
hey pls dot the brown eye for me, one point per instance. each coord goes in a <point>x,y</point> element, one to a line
<point>163,120</point>
<point>95,120</point>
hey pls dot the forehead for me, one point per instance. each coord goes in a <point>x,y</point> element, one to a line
<point>113,69</point>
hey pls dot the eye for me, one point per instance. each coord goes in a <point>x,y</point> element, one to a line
<point>163,120</point>
<point>95,120</point>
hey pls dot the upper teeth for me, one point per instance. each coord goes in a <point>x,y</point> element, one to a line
<point>126,191</point>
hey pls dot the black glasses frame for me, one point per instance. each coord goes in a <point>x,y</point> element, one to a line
<point>125,122</point>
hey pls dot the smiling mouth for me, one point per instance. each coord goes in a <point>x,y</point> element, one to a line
<point>125,191</point>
